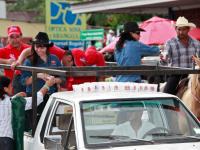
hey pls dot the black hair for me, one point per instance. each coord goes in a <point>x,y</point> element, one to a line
<point>69,53</point>
<point>66,47</point>
<point>93,42</point>
<point>34,56</point>
<point>123,37</point>
<point>4,82</point>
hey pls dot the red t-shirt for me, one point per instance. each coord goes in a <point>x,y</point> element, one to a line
<point>93,57</point>
<point>81,59</point>
<point>9,52</point>
<point>55,50</point>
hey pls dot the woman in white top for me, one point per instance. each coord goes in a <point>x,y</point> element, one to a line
<point>6,131</point>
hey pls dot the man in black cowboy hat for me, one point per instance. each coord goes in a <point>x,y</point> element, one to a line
<point>129,50</point>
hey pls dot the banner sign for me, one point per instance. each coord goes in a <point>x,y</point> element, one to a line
<point>93,34</point>
<point>61,23</point>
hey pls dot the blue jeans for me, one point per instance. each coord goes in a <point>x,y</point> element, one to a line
<point>6,143</point>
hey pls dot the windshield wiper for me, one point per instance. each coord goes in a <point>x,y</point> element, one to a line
<point>122,138</point>
<point>142,140</point>
<point>166,134</point>
<point>192,137</point>
<point>176,135</point>
<point>110,137</point>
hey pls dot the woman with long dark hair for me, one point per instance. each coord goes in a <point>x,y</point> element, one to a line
<point>40,58</point>
<point>6,131</point>
<point>129,50</point>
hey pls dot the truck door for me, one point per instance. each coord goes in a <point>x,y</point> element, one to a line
<point>60,133</point>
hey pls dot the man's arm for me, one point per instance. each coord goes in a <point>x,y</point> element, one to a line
<point>6,61</point>
<point>40,93</point>
<point>3,59</point>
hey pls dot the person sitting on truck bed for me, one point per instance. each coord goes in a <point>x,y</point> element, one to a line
<point>77,57</point>
<point>40,58</point>
<point>6,131</point>
<point>134,126</point>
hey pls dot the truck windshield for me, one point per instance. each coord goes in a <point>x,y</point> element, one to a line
<point>137,121</point>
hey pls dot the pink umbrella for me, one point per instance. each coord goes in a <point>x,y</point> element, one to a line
<point>110,47</point>
<point>195,33</point>
<point>158,30</point>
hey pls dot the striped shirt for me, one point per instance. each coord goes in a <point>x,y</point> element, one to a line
<point>179,55</point>
<point>6,113</point>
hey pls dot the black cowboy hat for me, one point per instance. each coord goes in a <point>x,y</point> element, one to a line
<point>132,27</point>
<point>43,39</point>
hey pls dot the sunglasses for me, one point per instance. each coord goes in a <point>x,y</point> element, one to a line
<point>137,32</point>
<point>40,45</point>
<point>15,36</point>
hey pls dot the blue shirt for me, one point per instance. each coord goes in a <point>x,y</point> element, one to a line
<point>52,61</point>
<point>130,55</point>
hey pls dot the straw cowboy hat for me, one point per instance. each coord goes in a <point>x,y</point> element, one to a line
<point>183,22</point>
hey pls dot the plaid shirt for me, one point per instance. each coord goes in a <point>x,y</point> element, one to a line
<point>6,113</point>
<point>179,55</point>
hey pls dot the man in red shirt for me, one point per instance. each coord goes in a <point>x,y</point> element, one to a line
<point>79,58</point>
<point>11,52</point>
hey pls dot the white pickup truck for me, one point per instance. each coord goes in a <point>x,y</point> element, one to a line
<point>88,117</point>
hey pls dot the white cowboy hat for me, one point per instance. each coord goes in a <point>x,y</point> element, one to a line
<point>183,22</point>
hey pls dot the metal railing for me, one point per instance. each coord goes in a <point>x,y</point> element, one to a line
<point>96,71</point>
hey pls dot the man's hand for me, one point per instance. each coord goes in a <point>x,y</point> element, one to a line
<point>14,64</point>
<point>10,61</point>
<point>23,94</point>
<point>196,60</point>
<point>161,47</point>
<point>50,81</point>
<point>44,76</point>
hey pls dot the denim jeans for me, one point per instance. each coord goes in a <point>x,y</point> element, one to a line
<point>6,143</point>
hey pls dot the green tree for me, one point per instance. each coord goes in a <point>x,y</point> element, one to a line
<point>37,6</point>
<point>113,20</point>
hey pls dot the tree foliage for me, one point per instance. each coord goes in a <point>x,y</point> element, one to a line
<point>113,20</point>
<point>96,19</point>
<point>37,6</point>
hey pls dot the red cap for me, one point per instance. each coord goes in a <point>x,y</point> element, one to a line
<point>91,56</point>
<point>14,30</point>
<point>79,56</point>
